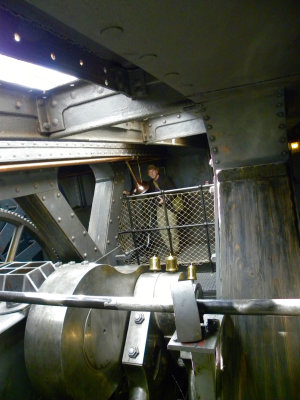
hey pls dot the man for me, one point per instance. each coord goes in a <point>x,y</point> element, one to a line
<point>164,183</point>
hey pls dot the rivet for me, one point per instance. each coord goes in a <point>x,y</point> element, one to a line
<point>217,162</point>
<point>18,104</point>
<point>51,183</point>
<point>212,138</point>
<point>284,153</point>
<point>85,255</point>
<point>59,219</point>
<point>72,215</point>
<point>44,198</point>
<point>84,233</point>
<point>178,115</point>
<point>40,102</point>
<point>148,57</point>
<point>55,121</point>
<point>17,37</point>
<point>209,127</point>
<point>282,139</point>
<point>113,200</point>
<point>149,125</point>
<point>215,149</point>
<point>53,103</point>
<point>58,194</point>
<point>116,237</point>
<point>17,189</point>
<point>112,31</point>
<point>110,221</point>
<point>106,82</point>
<point>95,249</point>
<point>281,126</point>
<point>46,125</point>
<point>206,117</point>
<point>164,121</point>
<point>81,63</point>
<point>118,217</point>
<point>35,185</point>
<point>279,104</point>
<point>73,238</point>
<point>280,114</point>
<point>108,242</point>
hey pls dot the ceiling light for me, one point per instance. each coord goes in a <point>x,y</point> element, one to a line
<point>31,75</point>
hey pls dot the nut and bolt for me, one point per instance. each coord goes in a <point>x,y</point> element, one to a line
<point>133,352</point>
<point>46,125</point>
<point>139,318</point>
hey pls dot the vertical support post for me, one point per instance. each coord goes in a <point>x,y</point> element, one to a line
<point>167,221</point>
<point>207,233</point>
<point>132,230</point>
<point>260,258</point>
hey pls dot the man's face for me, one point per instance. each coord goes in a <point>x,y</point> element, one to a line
<point>153,173</point>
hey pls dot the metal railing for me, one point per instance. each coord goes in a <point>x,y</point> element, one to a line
<point>179,221</point>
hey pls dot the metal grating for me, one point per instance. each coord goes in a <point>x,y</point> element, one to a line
<point>177,221</point>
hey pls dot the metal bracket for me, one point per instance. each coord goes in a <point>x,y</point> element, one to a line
<point>187,319</point>
<point>247,129</point>
<point>172,126</point>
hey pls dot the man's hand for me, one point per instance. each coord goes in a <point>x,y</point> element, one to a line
<point>160,200</point>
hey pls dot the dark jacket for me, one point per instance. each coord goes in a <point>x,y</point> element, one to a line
<point>163,182</point>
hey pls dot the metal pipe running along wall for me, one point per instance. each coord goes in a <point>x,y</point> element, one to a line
<point>283,307</point>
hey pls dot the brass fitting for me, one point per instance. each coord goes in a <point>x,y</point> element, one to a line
<point>191,272</point>
<point>171,263</point>
<point>154,264</point>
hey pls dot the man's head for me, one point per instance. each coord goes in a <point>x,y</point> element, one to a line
<point>153,171</point>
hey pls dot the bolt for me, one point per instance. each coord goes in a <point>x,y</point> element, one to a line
<point>59,219</point>
<point>18,104</point>
<point>46,125</point>
<point>133,352</point>
<point>139,318</point>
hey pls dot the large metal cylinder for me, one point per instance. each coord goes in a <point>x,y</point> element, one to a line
<point>76,352</point>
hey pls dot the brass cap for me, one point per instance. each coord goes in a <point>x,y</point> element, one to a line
<point>191,272</point>
<point>171,263</point>
<point>154,264</point>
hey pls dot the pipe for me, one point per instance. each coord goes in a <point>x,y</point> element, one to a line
<point>285,307</point>
<point>63,163</point>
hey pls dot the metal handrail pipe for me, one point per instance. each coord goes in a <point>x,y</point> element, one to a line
<point>280,307</point>
<point>171,191</point>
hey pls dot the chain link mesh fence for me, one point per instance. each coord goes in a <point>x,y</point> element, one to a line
<point>177,221</point>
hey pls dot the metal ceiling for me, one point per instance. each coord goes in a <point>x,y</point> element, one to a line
<point>196,47</point>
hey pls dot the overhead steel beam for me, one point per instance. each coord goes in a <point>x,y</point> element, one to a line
<point>86,107</point>
<point>27,151</point>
